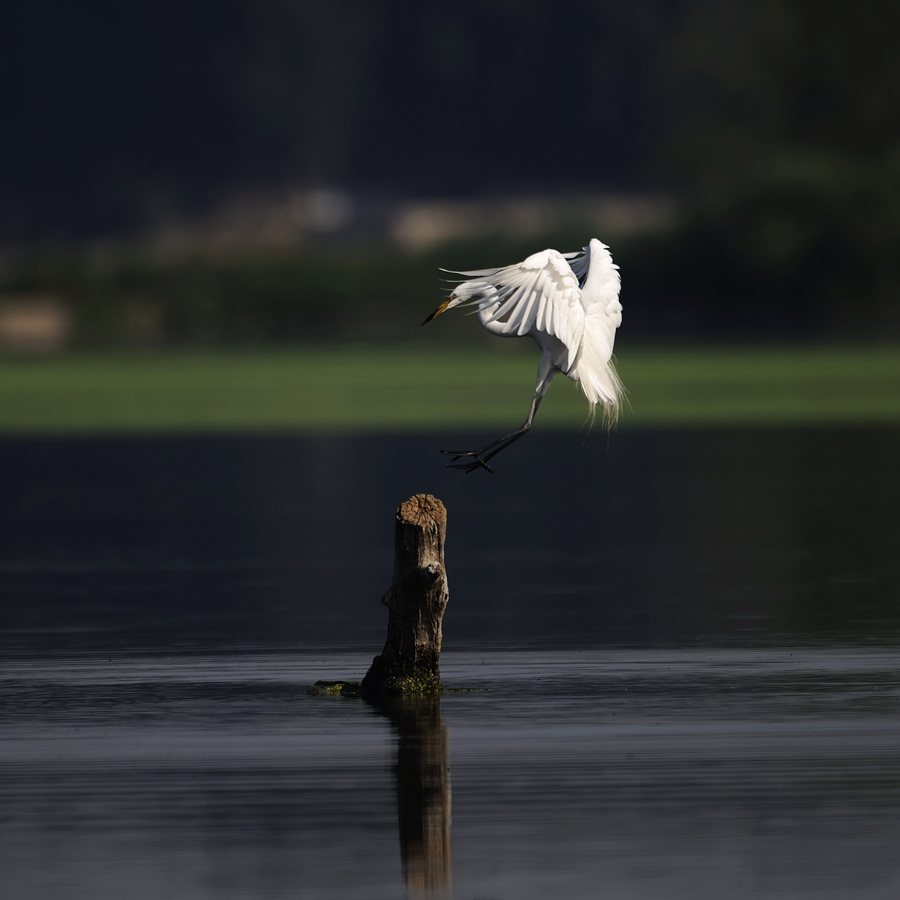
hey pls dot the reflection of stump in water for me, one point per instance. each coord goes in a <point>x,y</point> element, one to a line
<point>423,791</point>
<point>416,600</point>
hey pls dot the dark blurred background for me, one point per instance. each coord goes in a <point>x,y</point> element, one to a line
<point>188,171</point>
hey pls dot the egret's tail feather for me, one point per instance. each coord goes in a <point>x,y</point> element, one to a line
<point>595,372</point>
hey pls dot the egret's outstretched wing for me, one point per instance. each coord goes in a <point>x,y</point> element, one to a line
<point>539,296</point>
<point>580,263</point>
<point>598,277</point>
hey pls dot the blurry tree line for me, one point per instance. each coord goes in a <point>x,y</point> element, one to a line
<point>776,123</point>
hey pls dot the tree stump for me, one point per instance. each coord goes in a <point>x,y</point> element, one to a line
<point>416,600</point>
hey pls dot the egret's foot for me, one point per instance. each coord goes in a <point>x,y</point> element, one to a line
<point>483,455</point>
<point>476,463</point>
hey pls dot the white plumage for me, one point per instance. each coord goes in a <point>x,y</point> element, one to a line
<point>569,304</point>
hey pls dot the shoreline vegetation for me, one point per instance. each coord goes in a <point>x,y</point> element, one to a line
<point>437,385</point>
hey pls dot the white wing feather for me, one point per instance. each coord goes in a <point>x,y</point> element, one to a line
<point>540,296</point>
<point>600,284</point>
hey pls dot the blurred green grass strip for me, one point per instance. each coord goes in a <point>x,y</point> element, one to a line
<point>347,387</point>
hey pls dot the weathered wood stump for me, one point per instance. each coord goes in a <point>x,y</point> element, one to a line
<point>416,600</point>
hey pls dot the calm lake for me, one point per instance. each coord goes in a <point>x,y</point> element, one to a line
<point>673,662</point>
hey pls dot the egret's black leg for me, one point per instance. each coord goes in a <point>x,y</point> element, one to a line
<point>483,455</point>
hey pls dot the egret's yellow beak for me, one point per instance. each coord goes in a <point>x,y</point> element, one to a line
<point>437,312</point>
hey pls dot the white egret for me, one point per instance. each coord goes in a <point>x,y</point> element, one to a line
<point>569,304</point>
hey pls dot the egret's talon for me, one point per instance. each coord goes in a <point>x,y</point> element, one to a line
<point>470,467</point>
<point>467,467</point>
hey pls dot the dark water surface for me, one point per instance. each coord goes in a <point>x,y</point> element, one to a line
<point>674,662</point>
